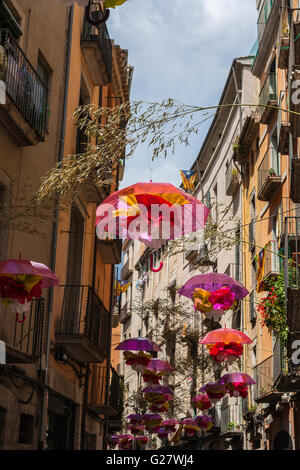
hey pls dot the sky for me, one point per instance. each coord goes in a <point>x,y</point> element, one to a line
<point>181,49</point>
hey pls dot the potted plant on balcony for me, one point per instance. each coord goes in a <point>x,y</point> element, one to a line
<point>272,172</point>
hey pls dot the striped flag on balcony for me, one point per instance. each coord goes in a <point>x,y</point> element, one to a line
<point>261,270</point>
<point>121,287</point>
<point>188,179</point>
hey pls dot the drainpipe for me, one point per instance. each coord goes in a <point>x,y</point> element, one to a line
<point>55,227</point>
<point>109,355</point>
<point>85,406</point>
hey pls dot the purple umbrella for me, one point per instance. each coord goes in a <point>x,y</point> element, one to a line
<point>236,377</point>
<point>157,365</point>
<point>152,417</point>
<point>158,389</point>
<point>135,418</point>
<point>212,282</point>
<point>138,344</point>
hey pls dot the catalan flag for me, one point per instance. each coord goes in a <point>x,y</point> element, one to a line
<point>188,179</point>
<point>121,287</point>
<point>261,269</point>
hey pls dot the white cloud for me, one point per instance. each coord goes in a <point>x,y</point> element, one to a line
<point>181,49</point>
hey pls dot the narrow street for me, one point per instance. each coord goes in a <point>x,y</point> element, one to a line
<point>150,228</point>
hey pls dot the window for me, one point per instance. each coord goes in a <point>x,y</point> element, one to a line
<point>26,429</point>
<point>43,71</point>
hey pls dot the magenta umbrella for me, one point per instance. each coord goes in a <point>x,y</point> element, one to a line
<point>158,389</point>
<point>24,266</point>
<point>237,377</point>
<point>157,365</point>
<point>211,282</point>
<point>152,417</point>
<point>135,418</point>
<point>138,344</point>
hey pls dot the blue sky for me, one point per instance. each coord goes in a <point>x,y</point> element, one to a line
<point>181,49</point>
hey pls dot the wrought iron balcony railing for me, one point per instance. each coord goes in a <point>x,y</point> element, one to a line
<point>83,329</point>
<point>23,85</point>
<point>100,34</point>
<point>232,179</point>
<point>263,376</point>
<point>24,341</point>
<point>105,400</point>
<point>269,178</point>
<point>263,18</point>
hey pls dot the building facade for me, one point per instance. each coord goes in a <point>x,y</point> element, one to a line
<point>60,388</point>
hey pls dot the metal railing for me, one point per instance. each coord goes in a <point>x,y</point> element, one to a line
<point>126,270</point>
<point>266,169</point>
<point>100,33</point>
<point>100,394</point>
<point>292,252</point>
<point>263,18</point>
<point>28,336</point>
<point>283,114</point>
<point>125,312</point>
<point>272,260</point>
<point>269,90</point>
<point>263,375</point>
<point>23,85</point>
<point>231,179</point>
<point>83,314</point>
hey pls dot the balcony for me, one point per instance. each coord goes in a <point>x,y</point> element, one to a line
<point>284,42</point>
<point>295,178</point>
<point>23,340</point>
<point>232,179</point>
<point>263,375</point>
<point>83,330</point>
<point>291,242</point>
<point>296,18</point>
<point>272,262</point>
<point>268,98</point>
<point>263,18</point>
<point>283,124</point>
<point>294,100</point>
<point>248,135</point>
<point>126,270</point>
<point>269,179</point>
<point>103,400</point>
<point>97,52</point>
<point>111,251</point>
<point>25,113</point>
<point>125,313</point>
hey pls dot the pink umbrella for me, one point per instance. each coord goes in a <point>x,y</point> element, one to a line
<point>170,424</point>
<point>161,389</point>
<point>237,383</point>
<point>135,418</point>
<point>157,365</point>
<point>121,212</point>
<point>204,422</point>
<point>21,281</point>
<point>202,402</point>
<point>138,344</point>
<point>215,391</point>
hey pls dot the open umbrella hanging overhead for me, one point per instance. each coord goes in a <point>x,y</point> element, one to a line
<point>213,293</point>
<point>151,213</point>
<point>21,280</point>
<point>225,344</point>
